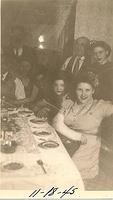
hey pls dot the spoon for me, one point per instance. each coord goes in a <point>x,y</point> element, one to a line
<point>40,162</point>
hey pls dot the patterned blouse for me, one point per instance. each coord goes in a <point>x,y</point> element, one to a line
<point>86,118</point>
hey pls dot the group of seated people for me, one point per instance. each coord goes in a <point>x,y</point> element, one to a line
<point>75,98</point>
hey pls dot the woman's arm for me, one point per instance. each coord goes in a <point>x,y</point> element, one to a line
<point>58,124</point>
<point>107,108</point>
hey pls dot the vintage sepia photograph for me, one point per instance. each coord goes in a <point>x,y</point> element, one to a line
<point>56,134</point>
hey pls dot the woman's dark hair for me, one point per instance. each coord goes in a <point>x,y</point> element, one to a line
<point>59,75</point>
<point>102,44</point>
<point>19,28</point>
<point>42,71</point>
<point>89,78</point>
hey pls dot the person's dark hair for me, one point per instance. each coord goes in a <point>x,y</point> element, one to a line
<point>89,78</point>
<point>25,60</point>
<point>19,28</point>
<point>42,71</point>
<point>58,75</point>
<point>86,45</point>
<point>102,44</point>
<point>11,63</point>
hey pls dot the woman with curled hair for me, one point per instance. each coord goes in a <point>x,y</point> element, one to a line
<point>80,120</point>
<point>104,69</point>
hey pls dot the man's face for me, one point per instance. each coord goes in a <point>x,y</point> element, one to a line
<point>80,47</point>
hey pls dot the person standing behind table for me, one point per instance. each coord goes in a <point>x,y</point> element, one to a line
<point>18,50</point>
<point>80,60</point>
<point>81,121</point>
<point>103,68</point>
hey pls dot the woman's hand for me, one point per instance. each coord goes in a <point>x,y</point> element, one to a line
<point>83,139</point>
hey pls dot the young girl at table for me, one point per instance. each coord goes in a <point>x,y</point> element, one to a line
<point>56,93</point>
<point>80,120</point>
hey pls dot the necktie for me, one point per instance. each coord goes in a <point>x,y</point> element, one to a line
<point>76,67</point>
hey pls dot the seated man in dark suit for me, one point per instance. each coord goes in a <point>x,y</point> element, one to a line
<point>80,60</point>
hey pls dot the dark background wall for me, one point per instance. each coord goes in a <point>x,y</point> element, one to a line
<point>39,17</point>
<point>54,19</point>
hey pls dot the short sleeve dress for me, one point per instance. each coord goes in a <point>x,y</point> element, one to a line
<point>87,120</point>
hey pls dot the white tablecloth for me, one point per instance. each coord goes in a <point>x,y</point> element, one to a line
<point>61,171</point>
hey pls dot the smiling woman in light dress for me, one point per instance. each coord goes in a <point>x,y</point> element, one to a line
<point>80,120</point>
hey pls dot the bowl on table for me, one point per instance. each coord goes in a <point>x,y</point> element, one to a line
<point>5,148</point>
<point>41,133</point>
<point>48,144</point>
<point>38,120</point>
<point>25,112</point>
<point>13,115</point>
<point>11,109</point>
<point>12,166</point>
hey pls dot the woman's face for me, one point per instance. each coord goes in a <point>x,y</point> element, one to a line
<point>59,87</point>
<point>100,55</point>
<point>84,92</point>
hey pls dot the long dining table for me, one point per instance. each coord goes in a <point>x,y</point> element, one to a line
<point>42,166</point>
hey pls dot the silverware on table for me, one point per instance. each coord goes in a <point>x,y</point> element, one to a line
<point>40,162</point>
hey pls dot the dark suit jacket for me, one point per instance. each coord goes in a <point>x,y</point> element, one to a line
<point>85,66</point>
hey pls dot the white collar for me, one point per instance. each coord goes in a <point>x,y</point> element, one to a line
<point>82,58</point>
<point>18,51</point>
<point>4,76</point>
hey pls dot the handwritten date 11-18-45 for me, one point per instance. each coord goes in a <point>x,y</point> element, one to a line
<point>54,191</point>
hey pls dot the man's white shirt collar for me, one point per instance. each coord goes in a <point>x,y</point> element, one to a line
<point>18,51</point>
